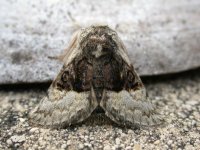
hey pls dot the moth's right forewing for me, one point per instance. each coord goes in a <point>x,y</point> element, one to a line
<point>72,108</point>
<point>64,106</point>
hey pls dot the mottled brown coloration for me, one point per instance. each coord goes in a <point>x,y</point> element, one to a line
<point>97,74</point>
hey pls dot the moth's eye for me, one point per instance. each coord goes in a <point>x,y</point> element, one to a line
<point>65,76</point>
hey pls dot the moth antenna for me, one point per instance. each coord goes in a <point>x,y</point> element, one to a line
<point>55,58</point>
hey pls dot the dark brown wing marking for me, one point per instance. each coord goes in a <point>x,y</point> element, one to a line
<point>84,75</point>
<point>112,75</point>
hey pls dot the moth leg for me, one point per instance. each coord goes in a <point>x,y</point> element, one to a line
<point>130,108</point>
<point>70,108</point>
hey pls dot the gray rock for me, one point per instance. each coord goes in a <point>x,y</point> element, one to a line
<point>9,142</point>
<point>117,141</point>
<point>17,138</point>
<point>161,36</point>
<point>34,130</point>
<point>107,147</point>
<point>63,146</point>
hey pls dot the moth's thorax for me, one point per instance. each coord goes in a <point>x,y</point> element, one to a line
<point>98,43</point>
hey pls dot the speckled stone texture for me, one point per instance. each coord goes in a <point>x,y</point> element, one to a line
<point>161,36</point>
<point>177,96</point>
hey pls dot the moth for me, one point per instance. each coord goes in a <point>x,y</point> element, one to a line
<point>97,75</point>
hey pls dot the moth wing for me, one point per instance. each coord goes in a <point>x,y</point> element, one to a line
<point>130,108</point>
<point>70,108</point>
<point>63,105</point>
<point>130,105</point>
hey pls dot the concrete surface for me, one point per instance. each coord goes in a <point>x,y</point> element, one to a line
<point>177,96</point>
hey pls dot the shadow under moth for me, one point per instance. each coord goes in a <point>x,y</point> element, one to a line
<point>97,74</point>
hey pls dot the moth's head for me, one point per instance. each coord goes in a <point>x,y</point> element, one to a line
<point>98,41</point>
<point>95,42</point>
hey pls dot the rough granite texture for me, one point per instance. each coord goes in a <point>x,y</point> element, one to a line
<point>161,36</point>
<point>178,98</point>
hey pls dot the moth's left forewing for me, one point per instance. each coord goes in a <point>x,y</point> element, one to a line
<point>130,106</point>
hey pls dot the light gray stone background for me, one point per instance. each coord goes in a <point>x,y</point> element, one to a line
<point>162,36</point>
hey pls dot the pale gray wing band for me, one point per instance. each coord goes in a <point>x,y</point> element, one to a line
<point>72,108</point>
<point>124,108</point>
